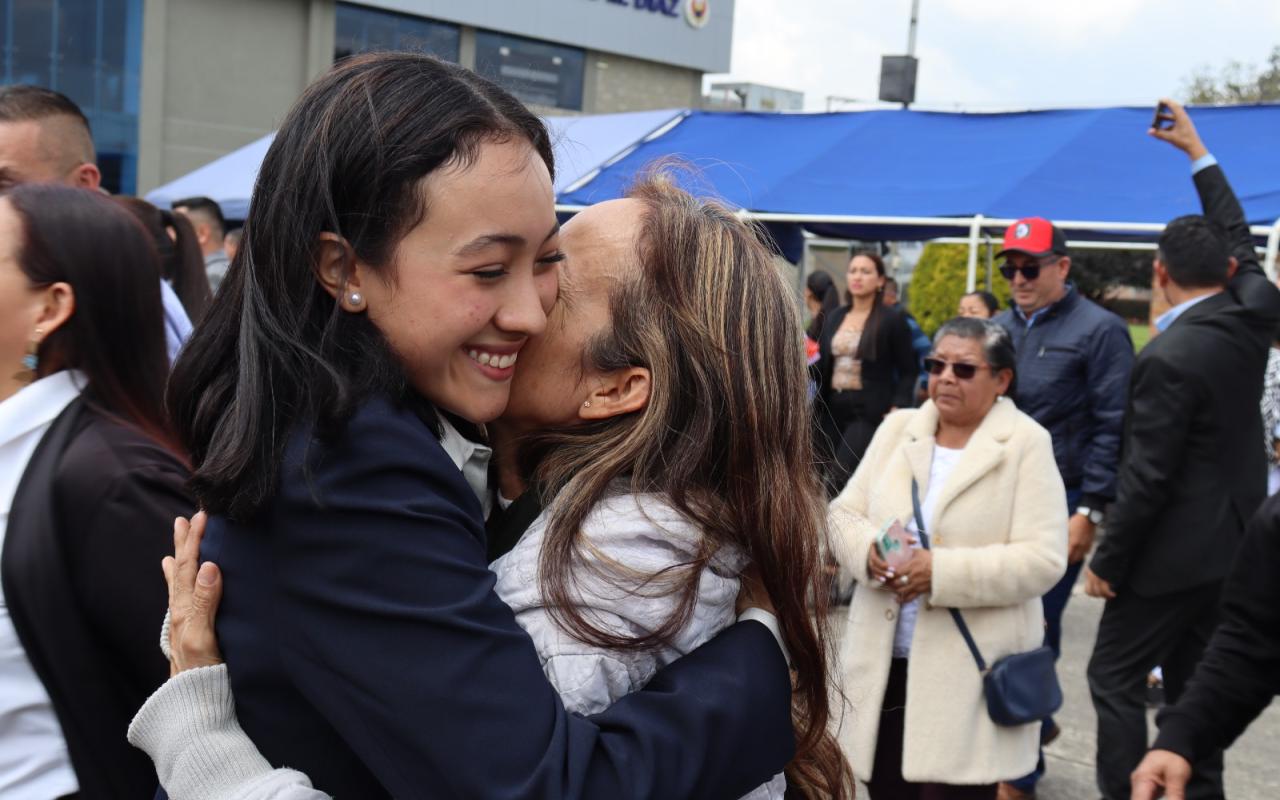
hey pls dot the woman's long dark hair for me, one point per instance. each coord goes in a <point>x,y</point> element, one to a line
<point>115,335</point>
<point>275,347</point>
<point>181,262</point>
<point>711,319</point>
<point>824,289</point>
<point>867,344</point>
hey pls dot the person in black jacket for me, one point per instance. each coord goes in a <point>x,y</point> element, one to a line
<point>1192,471</point>
<point>93,472</point>
<point>866,368</point>
<point>1073,366</point>
<point>1238,674</point>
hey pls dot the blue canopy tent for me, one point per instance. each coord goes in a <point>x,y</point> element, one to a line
<point>915,175</point>
<point>891,174</point>
<point>582,144</point>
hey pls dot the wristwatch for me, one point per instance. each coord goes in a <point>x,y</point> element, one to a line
<point>1094,515</point>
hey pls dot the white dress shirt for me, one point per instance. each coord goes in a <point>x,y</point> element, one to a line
<point>471,459</point>
<point>33,752</point>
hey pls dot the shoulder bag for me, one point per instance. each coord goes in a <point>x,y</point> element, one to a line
<point>1021,688</point>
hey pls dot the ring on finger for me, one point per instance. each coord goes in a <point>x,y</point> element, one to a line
<point>903,580</point>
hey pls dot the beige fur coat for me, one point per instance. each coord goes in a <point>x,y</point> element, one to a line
<point>999,535</point>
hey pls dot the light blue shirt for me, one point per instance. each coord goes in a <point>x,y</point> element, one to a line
<point>1035,315</point>
<point>1203,162</point>
<point>177,325</point>
<point>1169,317</point>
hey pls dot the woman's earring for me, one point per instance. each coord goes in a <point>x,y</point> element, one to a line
<point>355,300</point>
<point>587,404</point>
<point>31,360</point>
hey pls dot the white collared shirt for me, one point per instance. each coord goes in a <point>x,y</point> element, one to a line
<point>34,761</point>
<point>472,459</point>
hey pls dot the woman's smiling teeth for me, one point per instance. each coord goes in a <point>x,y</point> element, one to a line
<point>492,359</point>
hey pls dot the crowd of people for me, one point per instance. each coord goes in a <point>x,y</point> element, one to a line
<point>491,506</point>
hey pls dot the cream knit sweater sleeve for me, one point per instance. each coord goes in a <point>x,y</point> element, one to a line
<point>189,728</point>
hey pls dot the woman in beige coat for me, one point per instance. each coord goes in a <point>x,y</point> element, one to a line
<point>916,723</point>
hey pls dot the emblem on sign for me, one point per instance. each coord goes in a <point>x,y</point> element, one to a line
<point>697,12</point>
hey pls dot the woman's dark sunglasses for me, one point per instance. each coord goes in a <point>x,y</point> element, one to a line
<point>961,370</point>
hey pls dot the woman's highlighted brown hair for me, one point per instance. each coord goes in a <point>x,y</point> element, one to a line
<point>725,438</point>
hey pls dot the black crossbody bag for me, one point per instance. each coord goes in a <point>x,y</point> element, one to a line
<point>1020,688</point>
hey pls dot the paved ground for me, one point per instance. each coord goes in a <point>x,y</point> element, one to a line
<point>1253,765</point>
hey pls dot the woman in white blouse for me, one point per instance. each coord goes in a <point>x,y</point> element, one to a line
<point>90,476</point>
<point>917,725</point>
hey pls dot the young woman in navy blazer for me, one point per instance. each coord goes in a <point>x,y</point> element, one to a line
<point>399,252</point>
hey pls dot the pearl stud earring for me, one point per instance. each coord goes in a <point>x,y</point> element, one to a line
<point>356,298</point>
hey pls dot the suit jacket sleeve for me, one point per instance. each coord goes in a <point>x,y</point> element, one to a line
<point>1162,402</point>
<point>1109,363</point>
<point>1250,284</point>
<point>1240,671</point>
<point>388,623</point>
<point>121,530</point>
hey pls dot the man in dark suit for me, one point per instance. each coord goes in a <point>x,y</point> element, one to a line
<point>1192,470</point>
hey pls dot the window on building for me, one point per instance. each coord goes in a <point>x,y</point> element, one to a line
<point>90,50</point>
<point>536,72</point>
<point>364,30</point>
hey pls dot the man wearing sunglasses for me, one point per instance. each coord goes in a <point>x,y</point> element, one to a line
<point>1073,361</point>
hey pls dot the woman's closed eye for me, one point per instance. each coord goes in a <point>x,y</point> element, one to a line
<point>550,261</point>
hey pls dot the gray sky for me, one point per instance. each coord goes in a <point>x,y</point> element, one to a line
<point>999,54</point>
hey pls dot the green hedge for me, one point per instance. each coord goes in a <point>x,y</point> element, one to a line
<point>939,280</point>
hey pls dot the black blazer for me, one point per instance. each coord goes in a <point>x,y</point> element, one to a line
<point>1191,472</point>
<point>888,380</point>
<point>90,522</point>
<point>367,648</point>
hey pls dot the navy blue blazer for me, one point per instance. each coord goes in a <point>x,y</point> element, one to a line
<point>367,648</point>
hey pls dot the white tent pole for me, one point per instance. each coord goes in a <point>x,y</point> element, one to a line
<point>975,231</point>
<point>967,222</point>
<point>1273,245</point>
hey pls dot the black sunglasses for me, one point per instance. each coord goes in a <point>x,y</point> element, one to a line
<point>1029,271</point>
<point>962,371</point>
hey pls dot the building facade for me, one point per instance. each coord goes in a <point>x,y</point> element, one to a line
<point>170,85</point>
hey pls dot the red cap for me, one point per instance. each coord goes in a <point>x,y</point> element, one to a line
<point>1035,236</point>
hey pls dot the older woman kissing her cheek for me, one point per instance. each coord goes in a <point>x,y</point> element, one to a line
<point>994,509</point>
<point>655,421</point>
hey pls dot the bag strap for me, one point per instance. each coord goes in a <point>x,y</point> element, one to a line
<point>955,612</point>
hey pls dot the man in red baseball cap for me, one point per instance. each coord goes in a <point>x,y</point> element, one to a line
<point>1073,361</point>
<point>1036,262</point>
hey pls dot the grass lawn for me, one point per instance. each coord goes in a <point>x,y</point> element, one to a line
<point>1140,334</point>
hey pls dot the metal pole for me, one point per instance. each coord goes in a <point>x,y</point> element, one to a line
<point>975,231</point>
<point>801,271</point>
<point>991,263</point>
<point>1273,244</point>
<point>911,32</point>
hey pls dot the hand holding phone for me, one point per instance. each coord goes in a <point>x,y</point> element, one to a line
<point>1164,118</point>
<point>894,544</point>
<point>1172,124</point>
